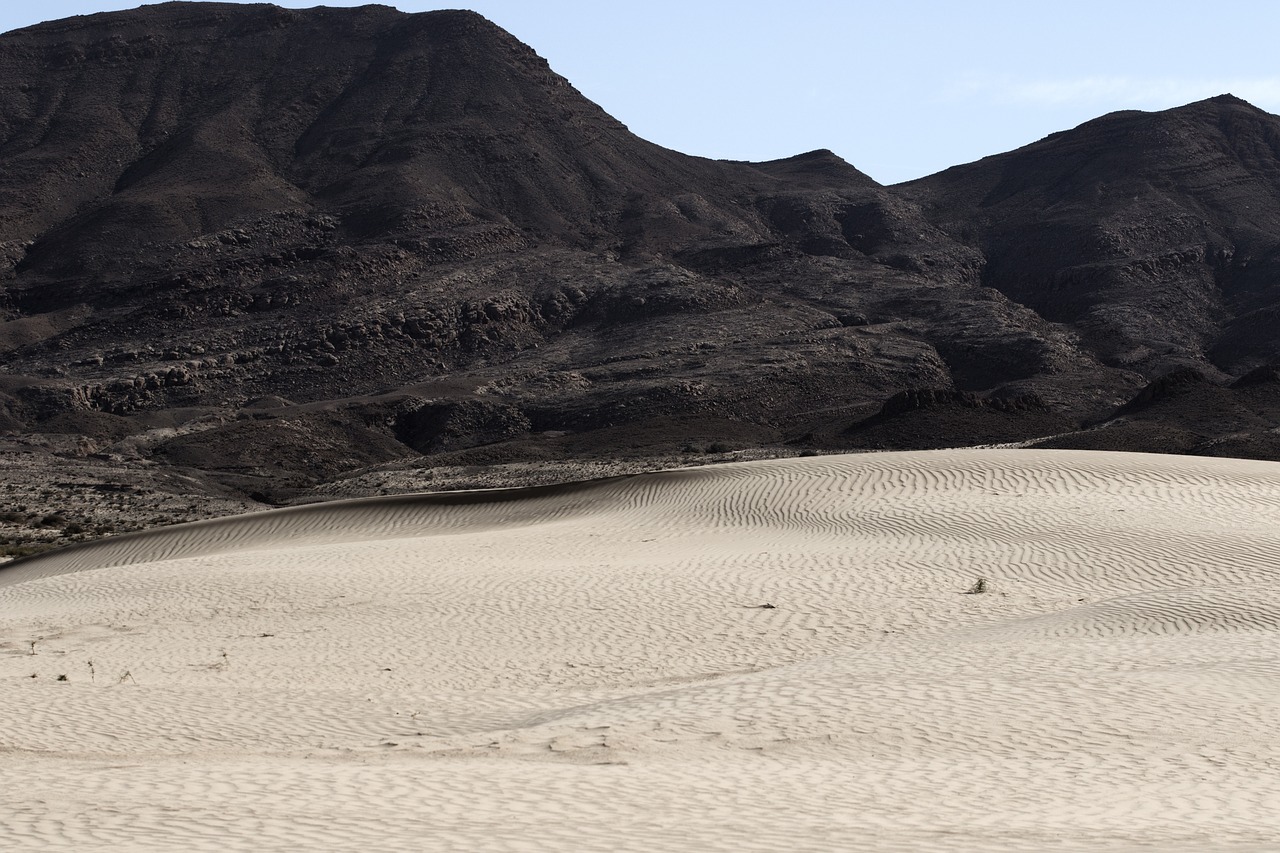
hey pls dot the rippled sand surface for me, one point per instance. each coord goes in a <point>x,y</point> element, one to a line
<point>762,656</point>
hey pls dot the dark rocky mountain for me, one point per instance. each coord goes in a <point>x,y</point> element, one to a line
<point>263,247</point>
<point>1152,235</point>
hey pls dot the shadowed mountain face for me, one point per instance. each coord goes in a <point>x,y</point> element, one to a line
<point>153,127</point>
<point>1153,235</point>
<point>275,245</point>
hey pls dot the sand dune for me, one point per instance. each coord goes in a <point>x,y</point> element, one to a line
<point>594,667</point>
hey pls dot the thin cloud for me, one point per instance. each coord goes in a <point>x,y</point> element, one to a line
<point>1113,92</point>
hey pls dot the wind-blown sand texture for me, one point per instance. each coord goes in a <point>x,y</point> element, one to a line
<point>590,667</point>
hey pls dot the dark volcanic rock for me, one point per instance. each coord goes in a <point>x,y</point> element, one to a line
<point>1179,384</point>
<point>1184,412</point>
<point>1264,375</point>
<point>290,451</point>
<point>276,233</point>
<point>1152,234</point>
<point>922,419</point>
<point>455,424</point>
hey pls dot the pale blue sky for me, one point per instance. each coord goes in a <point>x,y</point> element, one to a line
<point>899,89</point>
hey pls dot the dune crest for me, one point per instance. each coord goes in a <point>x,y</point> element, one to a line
<point>791,654</point>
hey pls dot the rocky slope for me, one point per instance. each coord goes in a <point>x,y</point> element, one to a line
<point>1152,235</point>
<point>260,248</point>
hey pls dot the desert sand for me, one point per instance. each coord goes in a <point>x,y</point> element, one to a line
<point>773,655</point>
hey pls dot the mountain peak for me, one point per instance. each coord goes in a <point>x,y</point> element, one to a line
<point>1228,98</point>
<point>244,18</point>
<point>817,167</point>
<point>184,117</point>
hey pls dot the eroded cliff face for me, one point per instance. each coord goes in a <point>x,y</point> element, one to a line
<point>267,245</point>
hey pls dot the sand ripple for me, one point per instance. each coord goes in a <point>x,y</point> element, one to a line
<point>594,666</point>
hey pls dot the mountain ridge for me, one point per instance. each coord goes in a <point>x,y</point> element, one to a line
<point>414,236</point>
